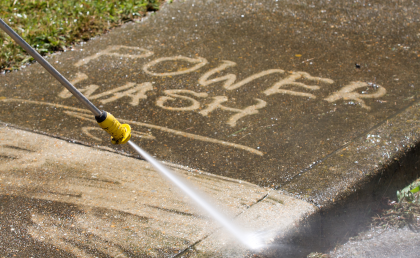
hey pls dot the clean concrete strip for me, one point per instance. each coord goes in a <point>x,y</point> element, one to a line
<point>84,201</point>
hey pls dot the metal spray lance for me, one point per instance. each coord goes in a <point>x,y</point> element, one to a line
<point>120,133</point>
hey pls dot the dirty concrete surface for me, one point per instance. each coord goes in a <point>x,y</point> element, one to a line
<point>184,75</point>
<point>314,99</point>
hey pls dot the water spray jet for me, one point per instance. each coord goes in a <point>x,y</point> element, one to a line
<point>121,134</point>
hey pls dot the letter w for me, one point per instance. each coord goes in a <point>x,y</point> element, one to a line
<point>231,78</point>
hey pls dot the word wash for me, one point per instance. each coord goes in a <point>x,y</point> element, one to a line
<point>135,92</point>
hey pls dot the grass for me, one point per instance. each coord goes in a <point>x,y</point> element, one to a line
<point>51,25</point>
<point>405,212</point>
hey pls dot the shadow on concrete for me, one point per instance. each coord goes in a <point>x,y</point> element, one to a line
<point>335,223</point>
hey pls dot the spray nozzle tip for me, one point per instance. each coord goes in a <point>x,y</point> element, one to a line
<point>120,133</point>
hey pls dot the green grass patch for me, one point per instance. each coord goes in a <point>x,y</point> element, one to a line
<point>405,212</point>
<point>51,25</point>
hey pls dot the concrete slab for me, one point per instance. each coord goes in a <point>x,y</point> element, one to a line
<point>319,100</point>
<point>63,199</point>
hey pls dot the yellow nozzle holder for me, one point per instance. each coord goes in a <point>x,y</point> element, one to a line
<point>120,133</point>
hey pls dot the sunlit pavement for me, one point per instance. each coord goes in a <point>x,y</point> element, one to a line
<point>313,104</point>
<point>64,199</point>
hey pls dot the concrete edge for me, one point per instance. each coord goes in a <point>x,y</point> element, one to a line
<point>366,157</point>
<point>375,164</point>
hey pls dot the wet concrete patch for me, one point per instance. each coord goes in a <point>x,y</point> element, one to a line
<point>283,211</point>
<point>392,242</point>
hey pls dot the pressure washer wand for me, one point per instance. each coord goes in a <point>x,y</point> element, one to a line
<point>120,133</point>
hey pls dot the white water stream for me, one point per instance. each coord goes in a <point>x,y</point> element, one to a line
<point>249,240</point>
